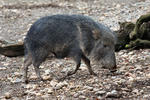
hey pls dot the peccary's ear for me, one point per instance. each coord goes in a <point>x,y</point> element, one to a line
<point>96,34</point>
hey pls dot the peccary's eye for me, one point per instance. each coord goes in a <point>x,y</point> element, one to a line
<point>105,46</point>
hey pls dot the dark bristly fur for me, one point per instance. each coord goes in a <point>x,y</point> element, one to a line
<point>75,36</point>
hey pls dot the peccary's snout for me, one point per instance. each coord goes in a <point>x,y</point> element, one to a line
<point>113,69</point>
<point>110,63</point>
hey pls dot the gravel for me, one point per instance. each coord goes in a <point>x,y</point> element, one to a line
<point>131,81</point>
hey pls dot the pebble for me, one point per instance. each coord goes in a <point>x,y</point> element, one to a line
<point>112,94</point>
<point>61,84</point>
<point>76,95</point>
<point>7,95</point>
<point>72,87</point>
<point>53,83</point>
<point>2,68</point>
<point>41,66</point>
<point>38,94</point>
<point>83,68</point>
<point>146,96</point>
<point>33,77</point>
<point>47,77</point>
<point>17,73</point>
<point>88,87</point>
<point>49,90</point>
<point>100,93</point>
<point>136,91</point>
<point>95,89</point>
<point>65,70</point>
<point>47,72</point>
<point>17,80</point>
<point>82,97</point>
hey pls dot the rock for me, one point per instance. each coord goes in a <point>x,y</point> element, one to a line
<point>47,78</point>
<point>39,94</point>
<point>66,69</point>
<point>17,73</point>
<point>61,84</point>
<point>7,95</point>
<point>41,67</point>
<point>95,89</point>
<point>118,6</point>
<point>82,97</point>
<point>72,87</point>
<point>53,83</point>
<point>47,72</point>
<point>100,93</point>
<point>2,67</point>
<point>34,86</point>
<point>136,91</point>
<point>83,68</point>
<point>146,96</point>
<point>49,90</point>
<point>18,80</point>
<point>31,86</point>
<point>33,76</point>
<point>76,95</point>
<point>131,53</point>
<point>112,94</point>
<point>88,87</point>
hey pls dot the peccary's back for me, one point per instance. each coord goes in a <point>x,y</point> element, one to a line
<point>60,34</point>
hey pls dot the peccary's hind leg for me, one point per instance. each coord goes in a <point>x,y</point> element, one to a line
<point>38,58</point>
<point>36,67</point>
<point>27,63</point>
<point>87,62</point>
<point>77,59</point>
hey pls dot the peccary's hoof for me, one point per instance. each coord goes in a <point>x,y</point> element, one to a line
<point>70,73</point>
<point>26,82</point>
<point>113,70</point>
<point>92,73</point>
<point>61,79</point>
<point>42,80</point>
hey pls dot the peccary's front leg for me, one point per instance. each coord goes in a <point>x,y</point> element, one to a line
<point>78,63</point>
<point>87,62</point>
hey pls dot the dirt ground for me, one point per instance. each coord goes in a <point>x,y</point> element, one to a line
<point>130,82</point>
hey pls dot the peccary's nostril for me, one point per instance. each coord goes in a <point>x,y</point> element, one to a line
<point>114,69</point>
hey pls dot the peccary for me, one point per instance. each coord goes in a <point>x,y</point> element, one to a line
<point>75,36</point>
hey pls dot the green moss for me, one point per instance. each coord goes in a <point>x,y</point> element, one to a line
<point>136,32</point>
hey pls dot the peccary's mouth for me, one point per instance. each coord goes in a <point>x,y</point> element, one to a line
<point>114,69</point>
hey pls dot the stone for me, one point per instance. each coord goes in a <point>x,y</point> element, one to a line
<point>112,94</point>
<point>61,84</point>
<point>7,95</point>
<point>100,93</point>
<point>88,87</point>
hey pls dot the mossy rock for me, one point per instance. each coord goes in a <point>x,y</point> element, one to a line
<point>136,32</point>
<point>123,35</point>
